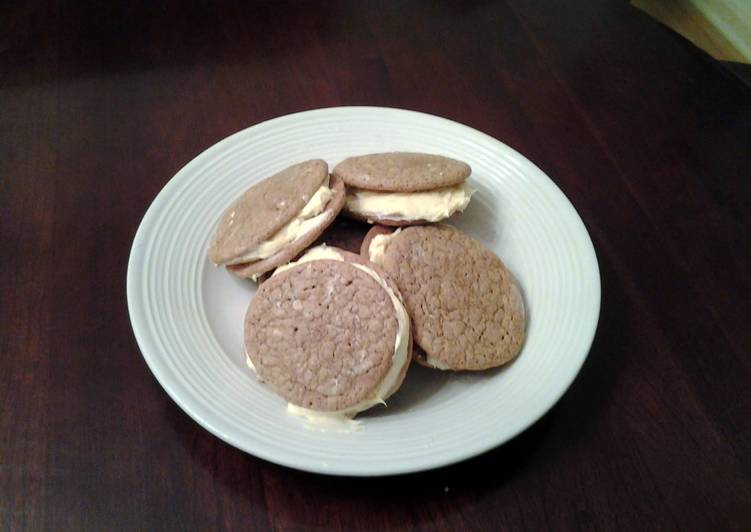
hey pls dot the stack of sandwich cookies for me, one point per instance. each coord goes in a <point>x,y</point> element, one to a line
<point>400,188</point>
<point>466,308</point>
<point>277,219</point>
<point>329,334</point>
<point>332,333</point>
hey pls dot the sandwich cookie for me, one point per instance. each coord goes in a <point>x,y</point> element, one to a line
<point>276,219</point>
<point>466,308</point>
<point>402,188</point>
<point>329,334</point>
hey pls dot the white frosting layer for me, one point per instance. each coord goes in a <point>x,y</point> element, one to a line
<point>435,363</point>
<point>398,361</point>
<point>316,253</point>
<point>323,421</point>
<point>310,217</point>
<point>378,246</point>
<point>429,205</point>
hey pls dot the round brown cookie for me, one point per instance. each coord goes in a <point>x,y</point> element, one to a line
<point>466,308</point>
<point>255,269</point>
<point>265,208</point>
<point>401,171</point>
<point>321,334</point>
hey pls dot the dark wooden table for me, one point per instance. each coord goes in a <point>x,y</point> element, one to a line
<point>100,104</point>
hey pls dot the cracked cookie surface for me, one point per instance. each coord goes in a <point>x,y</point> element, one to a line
<point>321,334</point>
<point>466,308</point>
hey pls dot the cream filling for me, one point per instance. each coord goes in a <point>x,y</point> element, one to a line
<point>378,246</point>
<point>430,205</point>
<point>316,253</point>
<point>310,217</point>
<point>376,250</point>
<point>249,363</point>
<point>323,421</point>
<point>435,363</point>
<point>341,419</point>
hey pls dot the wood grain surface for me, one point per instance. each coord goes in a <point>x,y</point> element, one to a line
<point>101,103</point>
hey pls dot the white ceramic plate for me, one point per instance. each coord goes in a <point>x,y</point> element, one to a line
<point>187,315</point>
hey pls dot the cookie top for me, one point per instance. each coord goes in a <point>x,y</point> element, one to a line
<point>253,270</point>
<point>264,209</point>
<point>466,308</point>
<point>401,171</point>
<point>322,335</point>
